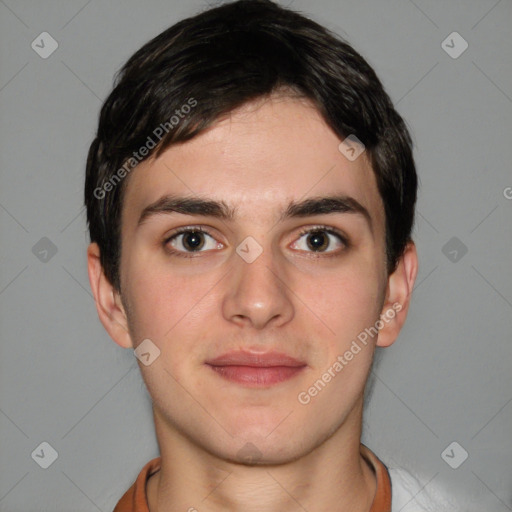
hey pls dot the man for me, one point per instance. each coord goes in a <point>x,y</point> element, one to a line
<point>250,198</point>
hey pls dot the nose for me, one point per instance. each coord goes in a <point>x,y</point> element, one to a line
<point>257,293</point>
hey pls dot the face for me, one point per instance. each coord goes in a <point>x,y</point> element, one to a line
<point>275,273</point>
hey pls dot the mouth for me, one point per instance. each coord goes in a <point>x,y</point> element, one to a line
<point>256,369</point>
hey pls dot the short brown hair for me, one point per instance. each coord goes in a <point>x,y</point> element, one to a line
<point>218,60</point>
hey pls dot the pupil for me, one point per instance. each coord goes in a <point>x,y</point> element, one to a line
<point>318,241</point>
<point>192,240</point>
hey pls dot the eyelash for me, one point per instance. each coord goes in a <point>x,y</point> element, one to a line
<point>313,230</point>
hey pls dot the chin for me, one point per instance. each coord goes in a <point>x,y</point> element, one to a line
<point>264,444</point>
<point>259,453</point>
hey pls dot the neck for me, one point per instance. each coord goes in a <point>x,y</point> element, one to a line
<point>333,476</point>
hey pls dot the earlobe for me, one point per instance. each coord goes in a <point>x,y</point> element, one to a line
<point>398,296</point>
<point>108,302</point>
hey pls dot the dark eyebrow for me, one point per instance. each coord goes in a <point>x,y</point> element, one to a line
<point>188,206</point>
<point>219,209</point>
<point>327,205</point>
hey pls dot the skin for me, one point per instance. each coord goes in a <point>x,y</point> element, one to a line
<point>292,299</point>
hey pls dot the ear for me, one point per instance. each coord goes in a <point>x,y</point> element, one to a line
<point>108,301</point>
<point>398,296</point>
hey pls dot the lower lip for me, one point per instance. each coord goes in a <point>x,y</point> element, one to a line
<point>257,376</point>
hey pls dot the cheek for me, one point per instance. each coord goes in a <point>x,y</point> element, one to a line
<point>166,307</point>
<point>167,310</point>
<point>349,304</point>
<point>159,299</point>
<point>348,301</point>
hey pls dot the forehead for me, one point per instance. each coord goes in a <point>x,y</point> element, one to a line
<point>257,159</point>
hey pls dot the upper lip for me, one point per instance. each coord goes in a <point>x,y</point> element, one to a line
<point>266,359</point>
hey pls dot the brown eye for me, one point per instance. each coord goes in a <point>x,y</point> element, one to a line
<point>189,240</point>
<point>193,240</point>
<point>320,240</point>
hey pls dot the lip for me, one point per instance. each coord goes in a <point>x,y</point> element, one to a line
<point>256,369</point>
<point>254,359</point>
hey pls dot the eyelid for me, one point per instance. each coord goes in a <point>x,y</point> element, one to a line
<point>327,229</point>
<point>186,229</point>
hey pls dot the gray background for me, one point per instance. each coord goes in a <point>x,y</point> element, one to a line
<point>448,377</point>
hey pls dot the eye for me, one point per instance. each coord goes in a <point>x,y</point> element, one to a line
<point>319,239</point>
<point>191,239</point>
<point>184,242</point>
